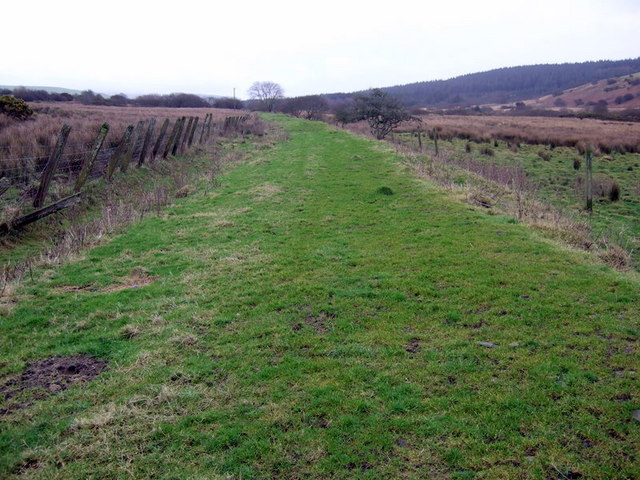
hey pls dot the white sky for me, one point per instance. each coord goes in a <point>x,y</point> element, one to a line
<point>141,46</point>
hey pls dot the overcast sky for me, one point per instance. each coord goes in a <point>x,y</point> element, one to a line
<point>210,47</point>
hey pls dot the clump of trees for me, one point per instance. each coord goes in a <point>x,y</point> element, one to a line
<point>382,112</point>
<point>15,107</point>
<point>228,102</point>
<point>309,107</point>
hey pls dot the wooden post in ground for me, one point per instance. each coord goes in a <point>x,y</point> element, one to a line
<point>588,158</point>
<point>87,164</point>
<point>178,143</point>
<point>435,140</point>
<point>420,140</point>
<point>204,127</point>
<point>172,138</point>
<point>124,164</point>
<point>120,151</point>
<point>158,144</point>
<point>209,127</point>
<point>50,167</point>
<point>4,185</point>
<point>193,131</point>
<point>185,137</point>
<point>147,141</point>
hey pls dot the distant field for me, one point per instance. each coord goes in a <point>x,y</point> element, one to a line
<point>570,132</point>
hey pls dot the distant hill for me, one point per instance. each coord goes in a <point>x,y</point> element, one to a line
<point>507,85</point>
<point>46,89</point>
<point>619,93</point>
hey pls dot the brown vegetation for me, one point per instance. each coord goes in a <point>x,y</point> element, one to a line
<point>35,138</point>
<point>605,136</point>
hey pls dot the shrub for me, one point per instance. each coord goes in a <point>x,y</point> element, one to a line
<point>15,107</point>
<point>614,192</point>
<point>577,163</point>
<point>488,151</point>
<point>544,155</point>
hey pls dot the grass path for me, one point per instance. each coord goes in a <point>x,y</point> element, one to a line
<point>302,322</point>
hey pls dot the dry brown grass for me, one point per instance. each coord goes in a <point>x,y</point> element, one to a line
<point>34,138</point>
<point>570,132</point>
<point>603,135</point>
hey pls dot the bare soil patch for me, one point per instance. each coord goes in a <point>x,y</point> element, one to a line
<point>46,377</point>
<point>319,323</point>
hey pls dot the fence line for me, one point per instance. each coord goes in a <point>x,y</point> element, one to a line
<point>75,169</point>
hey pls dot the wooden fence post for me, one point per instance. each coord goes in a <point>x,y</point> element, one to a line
<point>209,125</point>
<point>4,185</point>
<point>88,162</point>
<point>187,131</point>
<point>435,140</point>
<point>122,148</point>
<point>124,164</point>
<point>193,131</point>
<point>420,140</point>
<point>147,141</point>
<point>589,179</point>
<point>158,144</point>
<point>172,138</point>
<point>204,127</point>
<point>176,146</point>
<point>50,167</point>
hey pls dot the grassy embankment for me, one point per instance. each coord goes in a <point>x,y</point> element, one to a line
<point>302,322</point>
<point>556,180</point>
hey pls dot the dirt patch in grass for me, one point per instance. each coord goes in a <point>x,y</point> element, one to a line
<point>413,345</point>
<point>139,277</point>
<point>319,323</point>
<point>46,377</point>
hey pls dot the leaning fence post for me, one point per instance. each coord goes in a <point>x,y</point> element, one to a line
<point>204,127</point>
<point>176,146</point>
<point>589,178</point>
<point>172,138</point>
<point>187,131</point>
<point>158,144</point>
<point>122,148</point>
<point>50,167</point>
<point>132,146</point>
<point>193,131</point>
<point>87,165</point>
<point>147,141</point>
<point>4,185</point>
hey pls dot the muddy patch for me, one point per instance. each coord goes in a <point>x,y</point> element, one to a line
<point>321,322</point>
<point>43,378</point>
<point>413,345</point>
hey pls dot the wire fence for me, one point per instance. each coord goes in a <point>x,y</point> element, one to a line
<point>25,182</point>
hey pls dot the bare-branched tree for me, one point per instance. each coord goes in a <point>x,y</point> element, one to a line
<point>266,93</point>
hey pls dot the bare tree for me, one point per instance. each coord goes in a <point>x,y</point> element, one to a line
<point>267,93</point>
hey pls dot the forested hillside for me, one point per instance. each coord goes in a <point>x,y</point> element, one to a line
<point>509,84</point>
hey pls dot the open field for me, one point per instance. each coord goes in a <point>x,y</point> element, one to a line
<point>35,138</point>
<point>604,135</point>
<point>323,313</point>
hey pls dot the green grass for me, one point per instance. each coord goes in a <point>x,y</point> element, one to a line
<point>273,343</point>
<point>556,182</point>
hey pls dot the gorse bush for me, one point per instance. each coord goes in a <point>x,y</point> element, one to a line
<point>15,107</point>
